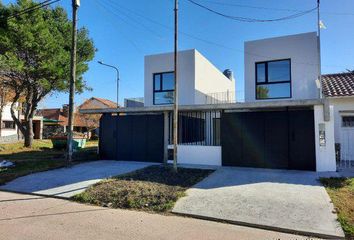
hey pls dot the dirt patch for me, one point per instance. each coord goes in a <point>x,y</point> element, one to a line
<point>155,188</point>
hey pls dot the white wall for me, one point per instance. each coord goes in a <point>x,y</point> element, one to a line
<point>164,63</point>
<point>203,155</point>
<point>209,79</point>
<point>303,52</point>
<point>325,155</point>
<point>197,77</point>
<point>341,104</point>
<point>6,116</point>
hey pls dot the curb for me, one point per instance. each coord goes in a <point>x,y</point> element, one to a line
<point>36,194</point>
<point>259,226</point>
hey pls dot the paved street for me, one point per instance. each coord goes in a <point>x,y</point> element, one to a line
<point>31,217</point>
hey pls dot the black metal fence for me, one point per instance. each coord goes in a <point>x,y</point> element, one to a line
<point>196,128</point>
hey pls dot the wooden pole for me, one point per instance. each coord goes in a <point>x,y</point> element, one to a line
<point>175,102</point>
<point>75,6</point>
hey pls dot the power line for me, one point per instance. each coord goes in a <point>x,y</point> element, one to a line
<point>245,19</point>
<point>32,9</point>
<point>270,8</point>
<point>208,41</point>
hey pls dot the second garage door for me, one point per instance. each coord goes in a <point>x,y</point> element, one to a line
<point>269,139</point>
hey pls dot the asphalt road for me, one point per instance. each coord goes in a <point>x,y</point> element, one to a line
<point>31,217</point>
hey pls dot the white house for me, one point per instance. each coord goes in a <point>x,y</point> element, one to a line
<point>339,89</point>
<point>283,122</point>
<point>200,82</point>
<point>9,131</point>
<point>8,126</point>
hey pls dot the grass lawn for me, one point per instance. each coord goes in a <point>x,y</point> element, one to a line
<point>40,157</point>
<point>153,189</point>
<point>341,191</point>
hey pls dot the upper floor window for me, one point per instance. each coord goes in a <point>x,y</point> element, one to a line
<point>164,88</point>
<point>273,79</point>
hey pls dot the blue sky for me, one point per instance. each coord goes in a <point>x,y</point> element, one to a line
<point>125,31</point>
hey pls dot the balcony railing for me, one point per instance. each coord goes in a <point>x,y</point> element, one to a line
<point>220,97</point>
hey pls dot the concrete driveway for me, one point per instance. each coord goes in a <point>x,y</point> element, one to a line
<point>290,201</point>
<point>66,182</point>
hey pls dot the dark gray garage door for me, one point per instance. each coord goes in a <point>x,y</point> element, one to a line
<point>132,137</point>
<point>275,139</point>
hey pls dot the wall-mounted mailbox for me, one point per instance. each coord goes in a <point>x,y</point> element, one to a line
<point>322,134</point>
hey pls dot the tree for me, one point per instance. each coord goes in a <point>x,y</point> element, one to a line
<point>35,57</point>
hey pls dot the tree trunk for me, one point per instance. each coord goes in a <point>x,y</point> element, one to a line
<point>1,109</point>
<point>29,133</point>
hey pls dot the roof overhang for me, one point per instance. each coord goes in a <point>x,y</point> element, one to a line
<point>209,107</point>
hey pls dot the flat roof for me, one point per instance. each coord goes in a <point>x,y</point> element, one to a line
<point>209,107</point>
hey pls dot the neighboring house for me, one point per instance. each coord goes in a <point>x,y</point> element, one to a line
<point>339,89</point>
<point>200,82</point>
<point>134,102</point>
<point>283,122</point>
<point>94,103</point>
<point>56,120</point>
<point>9,131</point>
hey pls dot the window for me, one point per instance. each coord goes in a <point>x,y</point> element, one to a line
<point>273,79</point>
<point>348,121</point>
<point>8,125</point>
<point>164,88</point>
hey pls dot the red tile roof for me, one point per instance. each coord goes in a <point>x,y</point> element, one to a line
<point>90,103</point>
<point>58,115</point>
<point>338,84</point>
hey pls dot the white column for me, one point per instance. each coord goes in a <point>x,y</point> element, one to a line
<point>325,150</point>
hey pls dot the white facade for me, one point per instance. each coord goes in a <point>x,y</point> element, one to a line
<point>199,155</point>
<point>301,49</point>
<point>197,77</point>
<point>6,116</point>
<point>325,152</point>
<point>343,106</point>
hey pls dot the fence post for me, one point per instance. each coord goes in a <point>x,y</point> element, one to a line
<point>165,137</point>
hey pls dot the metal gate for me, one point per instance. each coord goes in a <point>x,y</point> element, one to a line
<point>347,142</point>
<point>132,137</point>
<point>269,139</point>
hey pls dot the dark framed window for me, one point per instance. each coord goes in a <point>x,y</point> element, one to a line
<point>163,88</point>
<point>273,79</point>
<point>348,121</point>
<point>8,125</point>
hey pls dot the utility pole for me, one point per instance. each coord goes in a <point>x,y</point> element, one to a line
<point>75,6</point>
<point>319,47</point>
<point>175,102</point>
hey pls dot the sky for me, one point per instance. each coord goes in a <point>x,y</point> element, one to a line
<point>124,31</point>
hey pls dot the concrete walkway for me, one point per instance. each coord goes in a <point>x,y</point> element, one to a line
<point>37,218</point>
<point>273,199</point>
<point>66,182</point>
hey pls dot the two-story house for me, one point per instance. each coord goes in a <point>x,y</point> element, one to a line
<point>283,122</point>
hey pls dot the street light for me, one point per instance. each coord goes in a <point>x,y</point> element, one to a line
<point>107,65</point>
